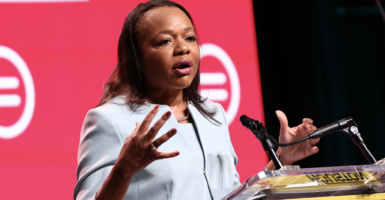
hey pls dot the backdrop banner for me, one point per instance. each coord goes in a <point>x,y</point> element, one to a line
<point>55,56</point>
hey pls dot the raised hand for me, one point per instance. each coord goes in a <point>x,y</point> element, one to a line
<point>140,149</point>
<point>297,152</point>
<point>137,152</point>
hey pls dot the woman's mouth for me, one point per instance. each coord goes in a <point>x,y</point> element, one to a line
<point>183,68</point>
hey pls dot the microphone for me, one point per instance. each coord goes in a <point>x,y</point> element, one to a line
<point>257,128</point>
<point>245,120</point>
<point>260,132</point>
<point>346,125</point>
<point>331,128</point>
<point>349,127</point>
<point>249,123</point>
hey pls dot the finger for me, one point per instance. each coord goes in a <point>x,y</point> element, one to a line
<point>162,139</point>
<point>310,151</point>
<point>163,155</point>
<point>313,150</point>
<point>307,121</point>
<point>315,141</point>
<point>148,119</point>
<point>156,127</point>
<point>135,132</point>
<point>282,120</point>
<point>310,128</point>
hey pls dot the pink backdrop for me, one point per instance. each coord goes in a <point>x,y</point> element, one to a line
<point>55,56</point>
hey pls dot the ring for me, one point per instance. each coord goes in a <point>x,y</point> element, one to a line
<point>153,147</point>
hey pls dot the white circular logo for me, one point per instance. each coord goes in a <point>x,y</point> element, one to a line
<point>12,100</point>
<point>218,78</point>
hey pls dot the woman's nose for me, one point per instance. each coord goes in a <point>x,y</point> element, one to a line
<point>181,48</point>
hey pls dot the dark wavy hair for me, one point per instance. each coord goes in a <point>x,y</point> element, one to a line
<point>127,78</point>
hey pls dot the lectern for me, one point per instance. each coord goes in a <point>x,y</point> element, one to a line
<point>345,182</point>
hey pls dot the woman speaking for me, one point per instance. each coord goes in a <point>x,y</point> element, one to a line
<point>153,136</point>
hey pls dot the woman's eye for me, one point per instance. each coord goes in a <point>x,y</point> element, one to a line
<point>164,42</point>
<point>191,39</point>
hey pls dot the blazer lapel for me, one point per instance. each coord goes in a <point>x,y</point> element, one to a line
<point>201,123</point>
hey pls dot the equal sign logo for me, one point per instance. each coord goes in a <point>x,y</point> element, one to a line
<point>214,79</point>
<point>221,83</point>
<point>11,101</point>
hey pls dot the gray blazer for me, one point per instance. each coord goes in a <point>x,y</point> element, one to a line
<point>105,129</point>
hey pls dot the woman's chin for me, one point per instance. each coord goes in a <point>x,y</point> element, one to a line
<point>183,83</point>
<point>185,86</point>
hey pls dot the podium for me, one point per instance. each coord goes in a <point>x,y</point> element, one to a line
<point>344,182</point>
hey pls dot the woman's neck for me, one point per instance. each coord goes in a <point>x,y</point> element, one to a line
<point>172,98</point>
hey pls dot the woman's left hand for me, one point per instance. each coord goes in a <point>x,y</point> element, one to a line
<point>289,155</point>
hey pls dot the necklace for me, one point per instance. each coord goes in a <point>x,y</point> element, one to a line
<point>184,118</point>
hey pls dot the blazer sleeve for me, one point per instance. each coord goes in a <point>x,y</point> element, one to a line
<point>236,182</point>
<point>99,147</point>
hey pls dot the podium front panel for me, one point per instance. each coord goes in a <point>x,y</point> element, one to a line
<point>312,182</point>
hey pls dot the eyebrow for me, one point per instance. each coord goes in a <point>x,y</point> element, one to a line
<point>170,31</point>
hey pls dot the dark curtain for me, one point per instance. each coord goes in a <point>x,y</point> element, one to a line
<point>324,59</point>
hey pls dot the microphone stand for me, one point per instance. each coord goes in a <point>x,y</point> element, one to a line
<point>353,132</point>
<point>347,125</point>
<point>260,132</point>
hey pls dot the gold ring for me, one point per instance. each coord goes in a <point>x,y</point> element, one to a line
<point>153,147</point>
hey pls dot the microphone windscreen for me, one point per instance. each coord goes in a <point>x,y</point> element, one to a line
<point>245,120</point>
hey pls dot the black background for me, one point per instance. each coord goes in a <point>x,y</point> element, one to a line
<point>324,59</point>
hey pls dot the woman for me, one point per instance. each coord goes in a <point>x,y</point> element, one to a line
<point>156,83</point>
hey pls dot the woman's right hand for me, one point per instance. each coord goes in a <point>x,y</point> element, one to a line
<point>137,153</point>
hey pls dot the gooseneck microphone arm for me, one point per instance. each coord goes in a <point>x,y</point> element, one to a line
<point>331,128</point>
<point>347,125</point>
<point>359,141</point>
<point>260,132</point>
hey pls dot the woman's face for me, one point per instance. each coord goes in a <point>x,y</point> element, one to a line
<point>170,52</point>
